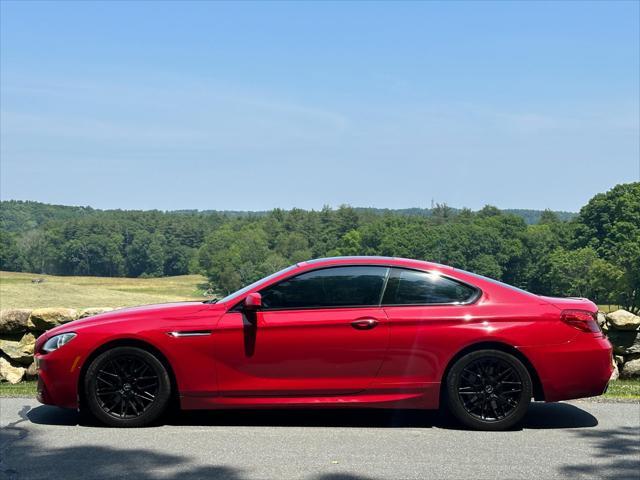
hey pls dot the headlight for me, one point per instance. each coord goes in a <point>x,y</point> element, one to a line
<point>56,342</point>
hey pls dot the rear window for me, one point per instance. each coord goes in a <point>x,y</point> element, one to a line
<point>498,282</point>
<point>411,287</point>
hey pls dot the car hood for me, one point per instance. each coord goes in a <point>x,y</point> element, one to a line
<point>173,311</point>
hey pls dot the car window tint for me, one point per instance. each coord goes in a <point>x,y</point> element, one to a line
<point>329,287</point>
<point>410,287</point>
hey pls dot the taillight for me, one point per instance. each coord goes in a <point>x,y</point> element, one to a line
<point>581,319</point>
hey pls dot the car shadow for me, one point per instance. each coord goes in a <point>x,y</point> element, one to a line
<point>540,416</point>
<point>558,415</point>
<point>23,456</point>
<point>618,448</point>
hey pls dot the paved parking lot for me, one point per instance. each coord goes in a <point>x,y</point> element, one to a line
<point>577,440</point>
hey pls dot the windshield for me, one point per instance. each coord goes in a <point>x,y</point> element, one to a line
<point>243,290</point>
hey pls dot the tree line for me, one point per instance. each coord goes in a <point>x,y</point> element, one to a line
<point>595,254</point>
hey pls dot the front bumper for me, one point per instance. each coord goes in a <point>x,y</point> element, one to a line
<point>58,374</point>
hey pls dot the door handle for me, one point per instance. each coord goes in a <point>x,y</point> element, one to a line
<point>364,323</point>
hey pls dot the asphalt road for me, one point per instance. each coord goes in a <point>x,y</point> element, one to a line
<point>577,440</point>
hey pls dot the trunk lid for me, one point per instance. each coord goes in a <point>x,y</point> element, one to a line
<point>571,303</point>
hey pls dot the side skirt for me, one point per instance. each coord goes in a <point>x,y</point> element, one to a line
<point>424,397</point>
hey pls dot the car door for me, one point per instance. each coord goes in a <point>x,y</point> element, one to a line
<point>425,312</point>
<point>321,332</point>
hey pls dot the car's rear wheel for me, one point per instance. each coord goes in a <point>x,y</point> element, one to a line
<point>489,390</point>
<point>127,387</point>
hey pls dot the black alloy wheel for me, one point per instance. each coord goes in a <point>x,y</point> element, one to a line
<point>489,390</point>
<point>127,387</point>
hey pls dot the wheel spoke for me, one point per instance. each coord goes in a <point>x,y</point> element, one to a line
<point>145,396</point>
<point>133,406</point>
<point>138,402</point>
<point>494,406</point>
<point>107,391</point>
<point>515,390</point>
<point>476,376</point>
<point>507,401</point>
<point>143,369</point>
<point>106,382</point>
<point>113,405</point>
<point>503,374</point>
<point>146,384</point>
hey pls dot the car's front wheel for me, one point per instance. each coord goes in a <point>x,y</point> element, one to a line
<point>489,390</point>
<point>127,387</point>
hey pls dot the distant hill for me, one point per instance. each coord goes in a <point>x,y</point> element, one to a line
<point>21,216</point>
<point>533,216</point>
<point>530,216</point>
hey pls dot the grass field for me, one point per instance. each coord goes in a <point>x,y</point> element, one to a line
<point>18,291</point>
<point>624,389</point>
<point>608,308</point>
<point>618,389</point>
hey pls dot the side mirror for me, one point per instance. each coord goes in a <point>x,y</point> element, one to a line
<point>253,302</point>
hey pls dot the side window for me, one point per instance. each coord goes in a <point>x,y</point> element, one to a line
<point>410,287</point>
<point>328,287</point>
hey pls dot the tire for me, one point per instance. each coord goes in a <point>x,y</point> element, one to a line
<point>488,390</point>
<point>127,387</point>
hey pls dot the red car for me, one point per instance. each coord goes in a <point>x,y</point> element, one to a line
<point>336,332</point>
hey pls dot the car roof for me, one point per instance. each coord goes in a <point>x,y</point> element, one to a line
<point>373,260</point>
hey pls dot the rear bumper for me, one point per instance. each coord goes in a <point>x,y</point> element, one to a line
<point>577,369</point>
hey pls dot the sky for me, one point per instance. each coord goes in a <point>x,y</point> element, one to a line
<point>251,106</point>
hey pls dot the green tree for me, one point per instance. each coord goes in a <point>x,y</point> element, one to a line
<point>37,251</point>
<point>293,247</point>
<point>176,258</point>
<point>145,255</point>
<point>442,213</point>
<point>232,257</point>
<point>610,224</point>
<point>10,255</point>
<point>548,218</point>
<point>350,244</point>
<point>581,273</point>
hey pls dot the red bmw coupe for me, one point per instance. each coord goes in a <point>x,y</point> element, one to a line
<point>336,332</point>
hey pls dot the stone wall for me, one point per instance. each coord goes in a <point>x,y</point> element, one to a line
<point>19,329</point>
<point>623,330</point>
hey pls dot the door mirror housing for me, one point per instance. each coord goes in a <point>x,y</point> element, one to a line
<point>253,301</point>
